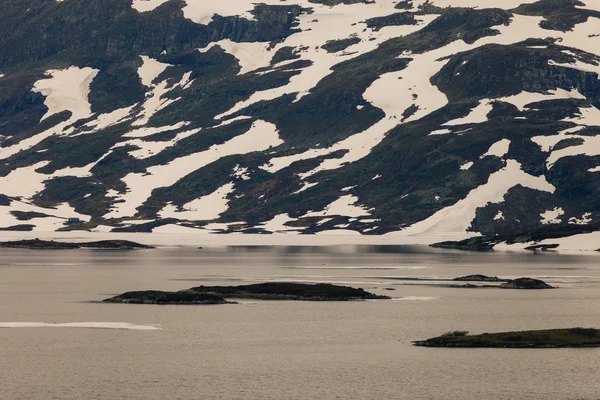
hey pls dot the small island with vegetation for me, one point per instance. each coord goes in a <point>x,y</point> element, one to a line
<point>519,283</point>
<point>479,278</point>
<point>37,244</point>
<point>260,291</point>
<point>539,339</point>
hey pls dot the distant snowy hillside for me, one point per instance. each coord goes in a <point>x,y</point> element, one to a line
<point>439,117</point>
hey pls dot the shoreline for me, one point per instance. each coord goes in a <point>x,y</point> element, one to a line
<point>577,244</point>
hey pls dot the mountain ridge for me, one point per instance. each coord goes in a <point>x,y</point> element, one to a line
<point>419,118</point>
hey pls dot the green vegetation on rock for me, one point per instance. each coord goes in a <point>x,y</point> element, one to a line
<point>552,338</point>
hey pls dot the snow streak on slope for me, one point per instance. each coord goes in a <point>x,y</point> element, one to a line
<point>261,136</point>
<point>150,148</point>
<point>328,24</point>
<point>504,4</point>
<point>154,102</point>
<point>456,219</point>
<point>202,11</point>
<point>477,115</point>
<point>498,149</point>
<point>395,92</point>
<point>65,90</point>
<point>6,152</point>
<point>524,98</point>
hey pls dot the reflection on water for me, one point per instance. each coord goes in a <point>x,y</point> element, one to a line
<point>291,350</point>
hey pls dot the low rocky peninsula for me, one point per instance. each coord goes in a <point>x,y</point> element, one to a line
<point>479,243</point>
<point>486,243</point>
<point>260,291</point>
<point>552,338</point>
<point>160,297</point>
<point>37,244</point>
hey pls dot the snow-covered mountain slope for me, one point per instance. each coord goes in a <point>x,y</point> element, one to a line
<point>439,117</point>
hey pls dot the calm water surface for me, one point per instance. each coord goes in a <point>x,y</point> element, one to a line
<point>290,350</point>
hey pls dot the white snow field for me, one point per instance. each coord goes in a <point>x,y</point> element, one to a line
<point>208,207</point>
<point>89,325</point>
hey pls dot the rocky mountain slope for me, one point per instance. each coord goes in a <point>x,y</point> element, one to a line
<point>401,117</point>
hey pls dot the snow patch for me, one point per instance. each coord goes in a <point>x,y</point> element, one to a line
<point>149,131</point>
<point>91,325</point>
<point>498,149</point>
<point>250,56</point>
<point>477,115</point>
<point>584,220</point>
<point>150,70</point>
<point>67,90</point>
<point>305,186</point>
<point>440,132</point>
<point>345,206</point>
<point>103,121</point>
<point>552,216</point>
<point>278,224</point>
<point>466,166</point>
<point>24,181</point>
<point>206,208</point>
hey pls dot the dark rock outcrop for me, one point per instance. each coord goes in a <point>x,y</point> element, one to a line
<point>334,46</point>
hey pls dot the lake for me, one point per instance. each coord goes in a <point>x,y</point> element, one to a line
<point>289,350</point>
